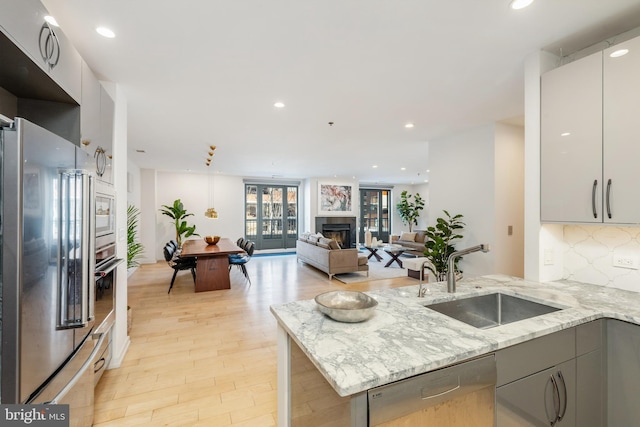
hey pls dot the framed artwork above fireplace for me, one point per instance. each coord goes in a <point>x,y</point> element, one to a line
<point>335,199</point>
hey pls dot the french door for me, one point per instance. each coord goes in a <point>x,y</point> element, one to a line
<point>375,213</point>
<point>271,215</point>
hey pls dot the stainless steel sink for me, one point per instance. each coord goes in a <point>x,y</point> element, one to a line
<point>489,311</point>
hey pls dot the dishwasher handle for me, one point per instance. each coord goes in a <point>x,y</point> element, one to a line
<point>435,389</point>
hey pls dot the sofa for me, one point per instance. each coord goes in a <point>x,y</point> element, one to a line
<point>326,255</point>
<point>414,240</point>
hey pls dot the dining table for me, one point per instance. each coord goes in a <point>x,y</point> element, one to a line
<point>212,265</point>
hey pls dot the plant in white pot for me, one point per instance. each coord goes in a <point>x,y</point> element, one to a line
<point>409,210</point>
<point>440,244</point>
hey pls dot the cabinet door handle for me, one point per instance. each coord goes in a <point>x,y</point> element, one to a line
<point>608,199</point>
<point>564,387</point>
<point>593,198</point>
<point>556,398</point>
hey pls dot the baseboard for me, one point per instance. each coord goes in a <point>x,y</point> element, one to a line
<point>117,359</point>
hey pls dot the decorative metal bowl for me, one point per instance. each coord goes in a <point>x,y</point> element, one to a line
<point>212,240</point>
<point>346,306</point>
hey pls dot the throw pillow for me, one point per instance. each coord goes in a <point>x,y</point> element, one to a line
<point>408,237</point>
<point>324,242</point>
<point>333,244</point>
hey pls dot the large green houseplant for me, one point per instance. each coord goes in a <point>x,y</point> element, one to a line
<point>440,244</point>
<point>134,247</point>
<point>178,213</point>
<point>409,210</point>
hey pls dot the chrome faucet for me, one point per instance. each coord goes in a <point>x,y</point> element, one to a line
<point>451,264</point>
<point>421,291</point>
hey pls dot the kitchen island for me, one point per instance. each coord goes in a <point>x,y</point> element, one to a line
<point>403,339</point>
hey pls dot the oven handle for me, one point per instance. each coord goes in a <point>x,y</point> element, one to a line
<point>109,267</point>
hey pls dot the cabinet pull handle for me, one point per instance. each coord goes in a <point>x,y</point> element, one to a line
<point>564,386</point>
<point>608,199</point>
<point>593,198</point>
<point>555,399</point>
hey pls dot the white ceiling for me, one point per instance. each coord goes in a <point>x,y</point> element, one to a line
<point>201,72</point>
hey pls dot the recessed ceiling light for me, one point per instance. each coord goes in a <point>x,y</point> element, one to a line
<point>619,52</point>
<point>403,169</point>
<point>105,32</point>
<point>565,134</point>
<point>374,166</point>
<point>279,105</point>
<point>520,4</point>
<point>51,20</point>
<point>409,125</point>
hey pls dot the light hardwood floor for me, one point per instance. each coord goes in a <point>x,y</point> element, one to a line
<point>207,359</point>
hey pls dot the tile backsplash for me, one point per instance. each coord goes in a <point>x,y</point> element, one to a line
<point>589,253</point>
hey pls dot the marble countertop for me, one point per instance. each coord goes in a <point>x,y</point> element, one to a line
<point>404,339</point>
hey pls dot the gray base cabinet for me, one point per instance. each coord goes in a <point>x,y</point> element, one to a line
<point>590,375</point>
<point>555,380</point>
<point>542,399</point>
<point>623,374</point>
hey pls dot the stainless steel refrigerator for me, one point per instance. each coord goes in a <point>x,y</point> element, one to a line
<point>47,276</point>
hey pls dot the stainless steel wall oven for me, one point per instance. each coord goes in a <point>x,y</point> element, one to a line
<point>106,261</point>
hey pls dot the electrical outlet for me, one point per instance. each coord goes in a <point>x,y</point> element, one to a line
<point>625,261</point>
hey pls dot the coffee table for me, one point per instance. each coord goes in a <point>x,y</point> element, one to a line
<point>373,252</point>
<point>394,252</point>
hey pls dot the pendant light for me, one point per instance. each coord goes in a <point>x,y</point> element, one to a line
<point>211,212</point>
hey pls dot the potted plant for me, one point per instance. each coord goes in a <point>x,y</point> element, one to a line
<point>409,210</point>
<point>134,247</point>
<point>178,214</point>
<point>440,244</point>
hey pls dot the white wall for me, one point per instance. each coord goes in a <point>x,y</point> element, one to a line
<point>397,226</point>
<point>536,240</point>
<point>197,192</point>
<point>120,339</point>
<point>509,202</point>
<point>461,181</point>
<point>133,184</point>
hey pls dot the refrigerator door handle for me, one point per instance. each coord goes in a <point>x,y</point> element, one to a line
<point>77,264</point>
<point>58,397</point>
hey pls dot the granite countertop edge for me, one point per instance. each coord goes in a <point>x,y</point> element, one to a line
<point>404,339</point>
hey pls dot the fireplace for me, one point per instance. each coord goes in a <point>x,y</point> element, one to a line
<point>341,233</point>
<point>341,229</point>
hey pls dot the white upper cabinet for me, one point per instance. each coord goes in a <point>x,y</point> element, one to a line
<point>107,117</point>
<point>97,114</point>
<point>571,142</point>
<point>46,45</point>
<point>621,133</point>
<point>590,139</point>
<point>90,109</point>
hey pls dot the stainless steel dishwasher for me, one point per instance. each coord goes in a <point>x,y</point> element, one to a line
<point>456,396</point>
